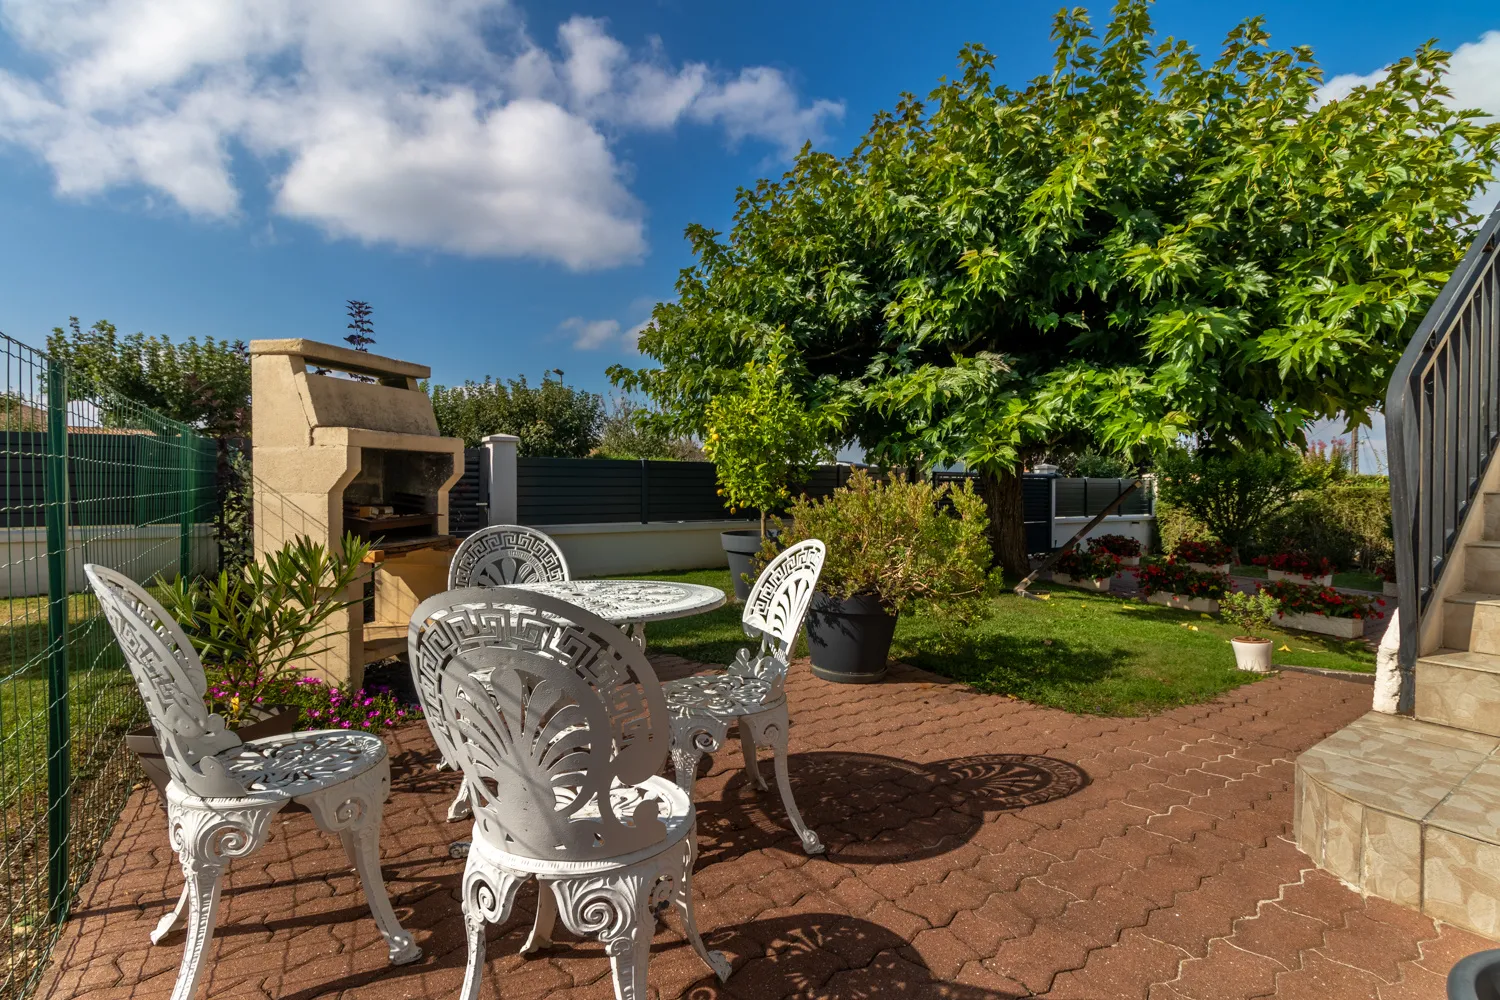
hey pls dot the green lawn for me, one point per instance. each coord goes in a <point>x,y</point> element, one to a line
<point>1353,580</point>
<point>1077,650</point>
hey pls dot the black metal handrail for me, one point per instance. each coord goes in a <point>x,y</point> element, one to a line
<point>1442,426</point>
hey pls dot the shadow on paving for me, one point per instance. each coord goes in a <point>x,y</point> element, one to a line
<point>874,809</point>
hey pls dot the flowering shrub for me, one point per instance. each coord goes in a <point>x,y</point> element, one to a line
<point>1201,550</point>
<point>1116,545</point>
<point>1299,563</point>
<point>1311,599</point>
<point>1089,565</point>
<point>1174,577</point>
<point>1386,571</point>
<point>323,705</point>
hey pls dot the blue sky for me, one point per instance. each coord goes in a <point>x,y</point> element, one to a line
<point>506,185</point>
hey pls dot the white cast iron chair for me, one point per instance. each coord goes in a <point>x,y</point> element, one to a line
<point>503,554</point>
<point>224,792</point>
<point>557,720</point>
<point>496,556</point>
<point>752,692</point>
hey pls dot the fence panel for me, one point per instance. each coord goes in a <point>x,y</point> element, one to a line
<point>1087,497</point>
<point>82,479</point>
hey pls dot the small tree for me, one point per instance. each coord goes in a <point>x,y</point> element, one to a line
<point>628,431</point>
<point>761,437</point>
<point>1252,613</point>
<point>551,419</point>
<point>1234,494</point>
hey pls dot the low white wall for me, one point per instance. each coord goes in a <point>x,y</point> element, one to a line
<point>654,547</point>
<point>1139,527</point>
<point>140,553</point>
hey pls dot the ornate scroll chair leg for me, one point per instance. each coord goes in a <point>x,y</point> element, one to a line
<point>207,834</point>
<point>752,763</point>
<point>615,908</point>
<point>769,727</point>
<point>682,898</point>
<point>546,920</point>
<point>459,808</point>
<point>353,809</point>
<point>169,921</point>
<point>489,894</point>
<point>637,633</point>
<point>692,737</point>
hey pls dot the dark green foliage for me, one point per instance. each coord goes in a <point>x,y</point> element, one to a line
<point>1348,522</point>
<point>627,432</point>
<point>551,419</point>
<point>1236,493</point>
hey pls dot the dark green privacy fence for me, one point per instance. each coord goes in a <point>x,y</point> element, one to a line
<point>83,478</point>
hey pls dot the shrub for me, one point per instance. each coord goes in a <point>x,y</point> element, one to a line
<point>322,705</point>
<point>551,419</point>
<point>1170,576</point>
<point>1093,564</point>
<point>1251,612</point>
<point>1116,545</point>
<point>904,543</point>
<point>1173,524</point>
<point>1202,551</point>
<point>629,431</point>
<point>1348,523</point>
<point>1311,599</point>
<point>1234,494</point>
<point>1299,563</point>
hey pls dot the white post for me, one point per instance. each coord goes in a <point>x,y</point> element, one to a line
<point>501,449</point>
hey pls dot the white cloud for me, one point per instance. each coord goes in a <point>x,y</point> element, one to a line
<point>590,334</point>
<point>387,121</point>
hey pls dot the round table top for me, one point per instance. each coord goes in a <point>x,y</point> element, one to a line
<point>622,602</point>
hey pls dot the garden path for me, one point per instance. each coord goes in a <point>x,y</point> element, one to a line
<point>979,848</point>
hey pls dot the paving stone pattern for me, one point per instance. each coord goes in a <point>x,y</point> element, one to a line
<point>979,849</point>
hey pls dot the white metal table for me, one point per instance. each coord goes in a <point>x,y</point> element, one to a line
<point>632,603</point>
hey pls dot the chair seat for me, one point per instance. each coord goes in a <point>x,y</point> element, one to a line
<point>675,810</point>
<point>300,763</point>
<point>723,695</point>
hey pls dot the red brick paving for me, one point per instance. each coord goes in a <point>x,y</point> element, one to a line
<point>1139,858</point>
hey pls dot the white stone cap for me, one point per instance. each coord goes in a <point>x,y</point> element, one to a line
<point>499,438</point>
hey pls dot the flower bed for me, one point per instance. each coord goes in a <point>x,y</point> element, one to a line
<point>1124,548</point>
<point>1089,568</point>
<point>1322,609</point>
<point>1177,584</point>
<point>1100,585</point>
<point>1387,573</point>
<point>1203,555</point>
<point>1295,565</point>
<point>323,705</point>
<point>1206,605</point>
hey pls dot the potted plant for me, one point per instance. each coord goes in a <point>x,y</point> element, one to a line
<point>1299,565</point>
<point>1092,569</point>
<point>1204,555</point>
<point>891,546</point>
<point>760,437</point>
<point>1253,614</point>
<point>251,627</point>
<point>1387,572</point>
<point>1123,547</point>
<point>1312,608</point>
<point>1175,584</point>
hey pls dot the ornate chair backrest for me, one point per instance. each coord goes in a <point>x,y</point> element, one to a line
<point>551,712</point>
<point>776,607</point>
<point>503,554</point>
<point>170,677</point>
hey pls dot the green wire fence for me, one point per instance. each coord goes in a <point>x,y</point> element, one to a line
<point>84,477</point>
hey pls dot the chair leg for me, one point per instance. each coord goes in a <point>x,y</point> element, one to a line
<point>692,737</point>
<point>207,834</point>
<point>683,899</point>
<point>546,920</point>
<point>459,808</point>
<point>353,809</point>
<point>489,892</point>
<point>616,909</point>
<point>752,763</point>
<point>769,727</point>
<point>168,923</point>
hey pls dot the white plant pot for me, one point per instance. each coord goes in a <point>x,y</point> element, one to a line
<point>1130,560</point>
<point>1322,581</point>
<point>1389,589</point>
<point>1204,604</point>
<point>1253,655</point>
<point>1207,568</point>
<point>1341,628</point>
<point>1101,584</point>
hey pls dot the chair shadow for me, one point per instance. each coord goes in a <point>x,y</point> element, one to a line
<point>874,809</point>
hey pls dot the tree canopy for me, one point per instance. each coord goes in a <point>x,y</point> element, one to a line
<point>1138,246</point>
<point>550,419</point>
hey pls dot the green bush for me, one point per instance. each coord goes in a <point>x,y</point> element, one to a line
<point>1348,522</point>
<point>1174,525</point>
<point>552,419</point>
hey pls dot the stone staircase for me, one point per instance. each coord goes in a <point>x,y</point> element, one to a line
<point>1409,808</point>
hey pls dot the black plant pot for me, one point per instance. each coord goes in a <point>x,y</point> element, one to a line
<point>741,547</point>
<point>276,720</point>
<point>849,639</point>
<point>1476,977</point>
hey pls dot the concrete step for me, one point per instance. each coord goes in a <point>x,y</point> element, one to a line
<point>1460,689</point>
<point>1408,811</point>
<point>1471,620</point>
<point>1482,566</point>
<point>1491,511</point>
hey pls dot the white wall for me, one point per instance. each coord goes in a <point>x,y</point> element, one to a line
<point>1139,527</point>
<point>631,547</point>
<point>140,553</point>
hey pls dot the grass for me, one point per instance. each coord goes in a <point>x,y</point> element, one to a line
<point>1078,651</point>
<point>1353,580</point>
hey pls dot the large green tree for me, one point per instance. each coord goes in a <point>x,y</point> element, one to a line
<point>1138,246</point>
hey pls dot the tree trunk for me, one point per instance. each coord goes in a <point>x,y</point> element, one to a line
<point>1002,495</point>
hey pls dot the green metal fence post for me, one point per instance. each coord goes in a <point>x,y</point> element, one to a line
<point>187,500</point>
<point>59,736</point>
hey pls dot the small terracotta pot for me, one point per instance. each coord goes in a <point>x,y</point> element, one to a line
<point>1252,654</point>
<point>276,720</point>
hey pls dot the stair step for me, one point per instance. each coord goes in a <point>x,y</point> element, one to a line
<point>1471,621</point>
<point>1406,810</point>
<point>1482,566</point>
<point>1491,512</point>
<point>1461,689</point>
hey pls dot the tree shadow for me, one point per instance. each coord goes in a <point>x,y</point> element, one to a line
<point>874,809</point>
